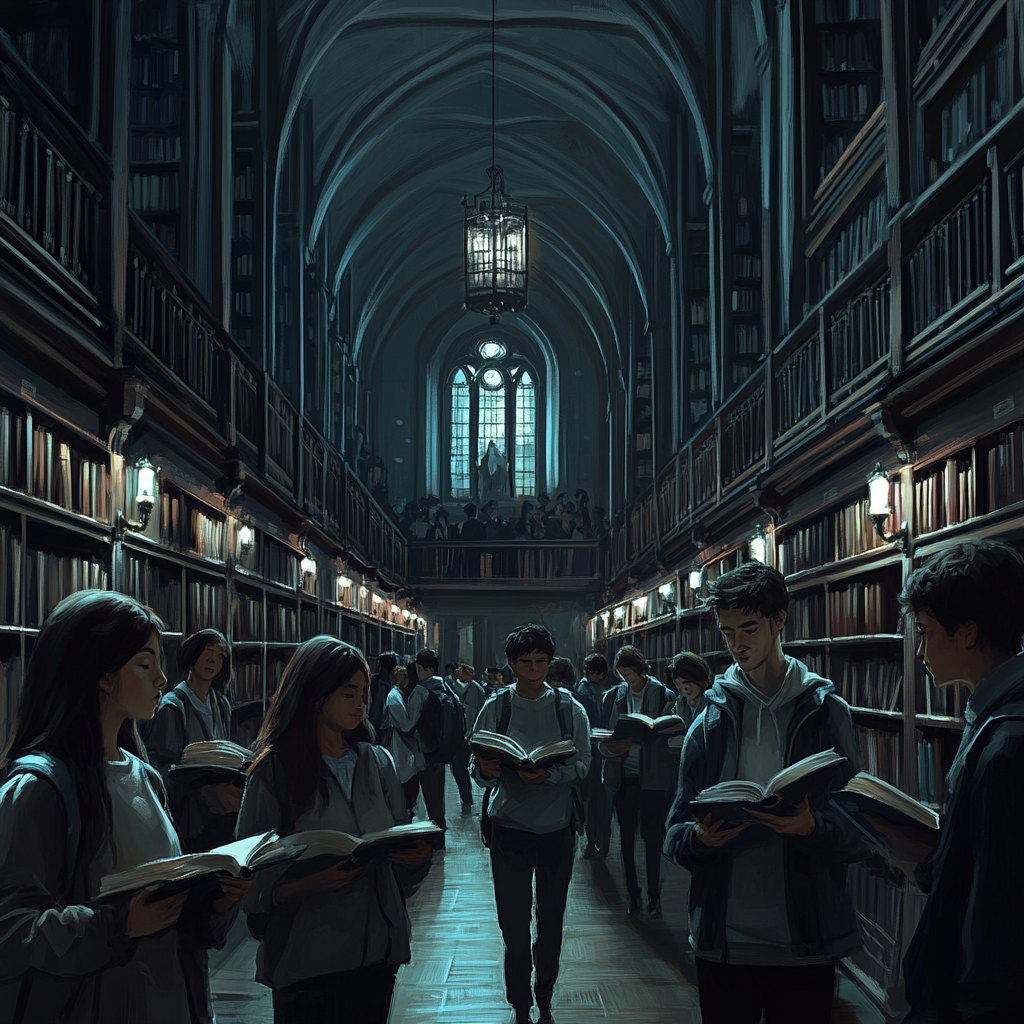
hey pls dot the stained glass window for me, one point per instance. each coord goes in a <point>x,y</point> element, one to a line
<point>492,414</point>
<point>492,350</point>
<point>526,437</point>
<point>460,447</point>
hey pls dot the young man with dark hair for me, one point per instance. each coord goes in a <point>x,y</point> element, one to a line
<point>964,963</point>
<point>590,692</point>
<point>529,819</point>
<point>380,686</point>
<point>640,778</point>
<point>472,695</point>
<point>691,678</point>
<point>769,911</point>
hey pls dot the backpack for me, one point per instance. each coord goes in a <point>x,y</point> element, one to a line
<point>442,725</point>
<point>55,771</point>
<point>563,709</point>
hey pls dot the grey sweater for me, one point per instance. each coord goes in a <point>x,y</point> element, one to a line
<point>360,925</point>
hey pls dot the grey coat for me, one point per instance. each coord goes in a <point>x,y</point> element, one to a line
<point>658,763</point>
<point>360,925</point>
<point>55,938</point>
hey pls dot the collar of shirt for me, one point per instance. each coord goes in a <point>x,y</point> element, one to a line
<point>993,688</point>
<point>636,698</point>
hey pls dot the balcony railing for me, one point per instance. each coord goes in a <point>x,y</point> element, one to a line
<point>743,436</point>
<point>797,387</point>
<point>48,198</point>
<point>858,335</point>
<point>548,564</point>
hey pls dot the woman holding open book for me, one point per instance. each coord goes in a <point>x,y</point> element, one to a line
<point>332,931</point>
<point>78,802</point>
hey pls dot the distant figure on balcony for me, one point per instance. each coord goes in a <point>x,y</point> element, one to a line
<point>492,473</point>
<point>496,526</point>
<point>439,531</point>
<point>472,528</point>
<point>420,526</point>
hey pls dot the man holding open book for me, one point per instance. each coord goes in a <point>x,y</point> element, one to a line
<point>769,911</point>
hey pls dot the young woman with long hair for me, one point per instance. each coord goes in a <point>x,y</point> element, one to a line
<point>94,670</point>
<point>197,709</point>
<point>331,938</point>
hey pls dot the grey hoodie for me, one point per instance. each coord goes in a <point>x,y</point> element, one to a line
<point>757,920</point>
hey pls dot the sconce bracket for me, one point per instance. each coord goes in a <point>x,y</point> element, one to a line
<point>124,525</point>
<point>899,538</point>
<point>897,430</point>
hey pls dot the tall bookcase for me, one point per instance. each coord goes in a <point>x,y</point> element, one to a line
<point>748,348</point>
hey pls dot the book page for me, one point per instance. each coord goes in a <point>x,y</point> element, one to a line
<point>800,770</point>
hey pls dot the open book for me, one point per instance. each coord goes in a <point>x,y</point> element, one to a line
<point>812,777</point>
<point>245,856</point>
<point>505,749</point>
<point>207,761</point>
<point>635,726</point>
<point>865,793</point>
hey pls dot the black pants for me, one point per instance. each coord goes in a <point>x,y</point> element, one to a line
<point>411,789</point>
<point>598,805</point>
<point>460,771</point>
<point>432,784</point>
<point>363,996</point>
<point>516,858</point>
<point>736,993</point>
<point>646,808</point>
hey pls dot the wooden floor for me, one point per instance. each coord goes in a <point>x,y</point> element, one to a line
<point>613,968</point>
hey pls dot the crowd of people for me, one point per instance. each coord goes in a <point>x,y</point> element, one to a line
<point>566,518</point>
<point>340,749</point>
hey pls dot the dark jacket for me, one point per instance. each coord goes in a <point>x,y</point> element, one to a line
<point>966,960</point>
<point>594,707</point>
<point>473,529</point>
<point>821,915</point>
<point>657,761</point>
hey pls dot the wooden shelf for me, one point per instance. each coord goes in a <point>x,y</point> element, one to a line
<point>939,722</point>
<point>841,641</point>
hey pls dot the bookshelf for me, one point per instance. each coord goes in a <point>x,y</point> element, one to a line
<point>157,118</point>
<point>643,422</point>
<point>243,246</point>
<point>748,348</point>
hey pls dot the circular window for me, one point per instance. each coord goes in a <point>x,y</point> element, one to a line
<point>491,378</point>
<point>492,350</point>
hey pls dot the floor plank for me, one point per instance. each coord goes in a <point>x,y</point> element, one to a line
<point>613,968</point>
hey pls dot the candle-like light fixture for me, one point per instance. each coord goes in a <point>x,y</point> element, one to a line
<point>879,508</point>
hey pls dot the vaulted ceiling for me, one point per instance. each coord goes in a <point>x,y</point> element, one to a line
<point>590,99</point>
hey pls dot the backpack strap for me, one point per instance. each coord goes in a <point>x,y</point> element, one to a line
<point>505,712</point>
<point>55,771</point>
<point>563,708</point>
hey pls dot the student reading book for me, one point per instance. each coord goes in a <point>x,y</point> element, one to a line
<point>640,728</point>
<point>210,762</point>
<point>79,802</point>
<point>865,798</point>
<point>508,751</point>
<point>331,937</point>
<point>811,778</point>
<point>774,896</point>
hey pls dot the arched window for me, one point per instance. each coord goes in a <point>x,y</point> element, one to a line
<point>492,407</point>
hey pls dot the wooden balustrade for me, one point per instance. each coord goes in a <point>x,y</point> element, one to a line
<point>743,431</point>
<point>281,424</point>
<point>858,334</point>
<point>537,564</point>
<point>797,387</point>
<point>705,471</point>
<point>48,198</point>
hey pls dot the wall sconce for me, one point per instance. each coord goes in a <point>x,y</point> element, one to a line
<point>145,498</point>
<point>640,603</point>
<point>620,613</point>
<point>696,577</point>
<point>395,609</point>
<point>666,591</point>
<point>246,538</point>
<point>759,545</point>
<point>406,614</point>
<point>879,509</point>
<point>363,592</point>
<point>308,564</point>
<point>377,599</point>
<point>344,583</point>
<point>605,616</point>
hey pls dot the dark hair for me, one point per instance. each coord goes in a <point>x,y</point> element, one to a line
<point>386,663</point>
<point>449,668</point>
<point>427,658</point>
<point>561,671</point>
<point>194,646</point>
<point>753,587</point>
<point>398,673</point>
<point>631,657</point>
<point>528,638</point>
<point>494,670</point>
<point>595,663</point>
<point>469,668</point>
<point>87,636</point>
<point>979,581</point>
<point>289,733</point>
<point>691,668</point>
<point>470,510</point>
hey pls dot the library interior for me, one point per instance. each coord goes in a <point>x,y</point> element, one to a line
<point>408,324</point>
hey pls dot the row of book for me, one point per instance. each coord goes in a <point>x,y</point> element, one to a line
<point>855,241</point>
<point>157,587</point>
<point>859,50</point>
<point>206,606</point>
<point>827,11</point>
<point>50,577</point>
<point>855,530</point>
<point>746,300</point>
<point>880,753</point>
<point>806,618</point>
<point>154,192</point>
<point>862,609</point>
<point>280,564</point>
<point>10,580</point>
<point>699,311</point>
<point>1004,462</point>
<point>797,387</point>
<point>946,496</point>
<point>207,535</point>
<point>244,183</point>
<point>932,765</point>
<point>835,140</point>
<point>849,101</point>
<point>859,334</point>
<point>746,339</point>
<point>246,618</point>
<point>282,623</point>
<point>156,68</point>
<point>748,267</point>
<point>155,110</point>
<point>153,148</point>
<point>874,683</point>
<point>700,347</point>
<point>61,476</point>
<point>977,105</point>
<point>943,702</point>
<point>13,449</point>
<point>247,681</point>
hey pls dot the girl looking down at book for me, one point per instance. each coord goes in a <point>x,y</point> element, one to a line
<point>79,802</point>
<point>333,935</point>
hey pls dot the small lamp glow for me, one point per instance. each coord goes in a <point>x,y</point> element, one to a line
<point>878,492</point>
<point>246,536</point>
<point>363,592</point>
<point>395,609</point>
<point>146,491</point>
<point>308,565</point>
<point>696,578</point>
<point>640,603</point>
<point>605,616</point>
<point>406,614</point>
<point>759,546</point>
<point>620,613</point>
<point>377,599</point>
<point>344,582</point>
<point>665,590</point>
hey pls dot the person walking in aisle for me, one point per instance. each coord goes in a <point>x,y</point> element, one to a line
<point>590,693</point>
<point>331,941</point>
<point>78,802</point>
<point>196,709</point>
<point>380,687</point>
<point>769,910</point>
<point>403,748</point>
<point>639,777</point>
<point>962,966</point>
<point>472,695</point>
<point>531,817</point>
<point>691,678</point>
